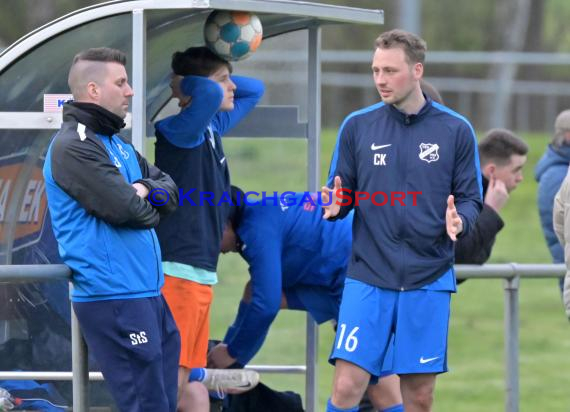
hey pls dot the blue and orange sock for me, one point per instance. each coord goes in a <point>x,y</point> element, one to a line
<point>197,375</point>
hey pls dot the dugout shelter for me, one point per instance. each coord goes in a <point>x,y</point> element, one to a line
<point>33,84</point>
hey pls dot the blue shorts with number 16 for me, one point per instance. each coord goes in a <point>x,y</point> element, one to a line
<point>371,319</point>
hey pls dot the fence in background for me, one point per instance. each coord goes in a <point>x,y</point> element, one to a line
<point>511,273</point>
<point>534,103</point>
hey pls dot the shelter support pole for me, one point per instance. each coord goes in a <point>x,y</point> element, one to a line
<point>79,366</point>
<point>139,81</point>
<point>314,164</point>
<point>511,287</point>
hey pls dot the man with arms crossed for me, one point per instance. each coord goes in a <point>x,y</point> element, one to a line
<point>97,187</point>
<point>400,276</point>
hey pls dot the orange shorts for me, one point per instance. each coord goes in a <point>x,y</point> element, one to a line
<point>190,303</point>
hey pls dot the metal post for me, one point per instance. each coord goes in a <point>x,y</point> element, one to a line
<point>550,111</point>
<point>139,81</point>
<point>410,15</point>
<point>79,365</point>
<point>465,107</point>
<point>523,111</point>
<point>314,164</point>
<point>511,286</point>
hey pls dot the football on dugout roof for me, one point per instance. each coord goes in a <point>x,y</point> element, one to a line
<point>233,35</point>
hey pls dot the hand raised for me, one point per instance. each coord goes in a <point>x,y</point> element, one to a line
<point>330,199</point>
<point>453,222</point>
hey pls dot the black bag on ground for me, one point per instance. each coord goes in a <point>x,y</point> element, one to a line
<point>262,399</point>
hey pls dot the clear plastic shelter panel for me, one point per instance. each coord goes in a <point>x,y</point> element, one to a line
<point>280,61</point>
<point>35,316</point>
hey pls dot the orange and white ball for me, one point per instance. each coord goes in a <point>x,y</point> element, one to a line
<point>233,35</point>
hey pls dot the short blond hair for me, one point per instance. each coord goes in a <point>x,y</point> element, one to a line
<point>414,46</point>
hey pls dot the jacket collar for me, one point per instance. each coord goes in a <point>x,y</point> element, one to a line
<point>95,117</point>
<point>408,119</point>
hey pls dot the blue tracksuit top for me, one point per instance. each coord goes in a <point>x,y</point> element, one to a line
<point>427,156</point>
<point>103,228</point>
<point>189,148</point>
<point>286,244</point>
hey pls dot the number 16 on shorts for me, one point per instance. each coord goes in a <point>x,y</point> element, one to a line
<point>351,341</point>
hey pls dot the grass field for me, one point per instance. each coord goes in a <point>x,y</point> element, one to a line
<point>476,379</point>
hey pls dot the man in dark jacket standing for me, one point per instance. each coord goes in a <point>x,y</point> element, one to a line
<point>550,172</point>
<point>503,156</point>
<point>410,169</point>
<point>98,187</point>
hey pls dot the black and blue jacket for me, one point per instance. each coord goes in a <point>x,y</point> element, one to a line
<point>103,228</point>
<point>408,165</point>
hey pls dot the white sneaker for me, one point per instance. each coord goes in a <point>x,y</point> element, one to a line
<point>232,381</point>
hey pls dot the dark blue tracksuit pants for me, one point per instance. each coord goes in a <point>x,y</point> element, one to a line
<point>137,346</point>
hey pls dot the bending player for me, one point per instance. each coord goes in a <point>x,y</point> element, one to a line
<point>296,261</point>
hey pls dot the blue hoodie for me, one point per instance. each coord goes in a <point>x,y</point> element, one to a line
<point>549,173</point>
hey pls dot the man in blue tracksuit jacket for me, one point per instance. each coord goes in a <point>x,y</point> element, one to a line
<point>409,168</point>
<point>97,187</point>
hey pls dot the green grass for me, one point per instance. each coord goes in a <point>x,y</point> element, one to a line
<point>476,354</point>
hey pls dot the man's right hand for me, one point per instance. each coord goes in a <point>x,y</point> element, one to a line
<point>219,357</point>
<point>142,190</point>
<point>176,86</point>
<point>330,199</point>
<point>497,194</point>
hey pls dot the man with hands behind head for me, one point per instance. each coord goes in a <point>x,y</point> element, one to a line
<point>189,147</point>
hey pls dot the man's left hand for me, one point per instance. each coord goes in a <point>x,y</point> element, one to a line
<point>453,222</point>
<point>219,357</point>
